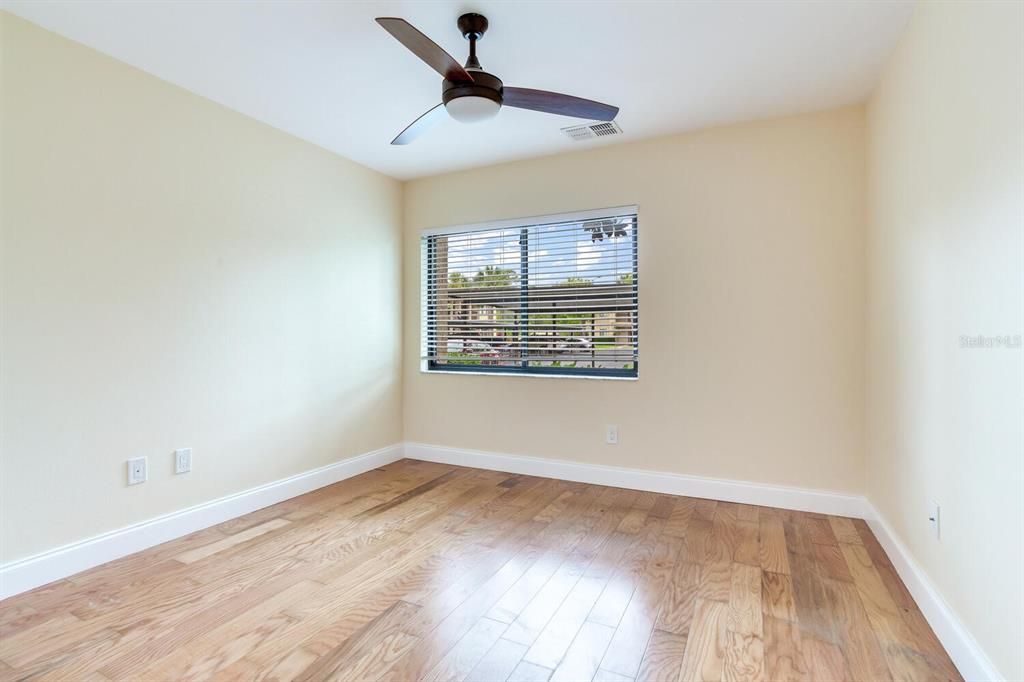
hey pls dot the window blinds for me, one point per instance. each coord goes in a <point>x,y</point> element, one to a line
<point>543,297</point>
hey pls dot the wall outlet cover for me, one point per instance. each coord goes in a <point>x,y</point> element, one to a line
<point>137,471</point>
<point>183,461</point>
<point>935,519</point>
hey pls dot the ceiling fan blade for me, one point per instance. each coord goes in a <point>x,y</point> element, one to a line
<point>557,103</point>
<point>425,48</point>
<point>421,125</point>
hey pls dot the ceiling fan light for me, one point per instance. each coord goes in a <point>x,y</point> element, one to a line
<point>471,109</point>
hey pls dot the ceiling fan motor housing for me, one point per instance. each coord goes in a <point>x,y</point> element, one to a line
<point>484,85</point>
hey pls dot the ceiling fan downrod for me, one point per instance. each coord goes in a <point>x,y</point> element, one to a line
<point>473,26</point>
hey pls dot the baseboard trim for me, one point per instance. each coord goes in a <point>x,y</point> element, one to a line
<point>969,658</point>
<point>799,499</point>
<point>31,572</point>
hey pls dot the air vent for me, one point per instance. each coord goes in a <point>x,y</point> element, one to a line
<point>592,130</point>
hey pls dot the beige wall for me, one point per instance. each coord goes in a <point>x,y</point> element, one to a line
<point>751,306</point>
<point>946,169</point>
<point>176,274</point>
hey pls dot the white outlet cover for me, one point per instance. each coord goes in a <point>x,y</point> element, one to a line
<point>611,435</point>
<point>137,471</point>
<point>935,519</point>
<point>183,461</point>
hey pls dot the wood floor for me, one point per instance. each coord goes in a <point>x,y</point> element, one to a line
<point>426,571</point>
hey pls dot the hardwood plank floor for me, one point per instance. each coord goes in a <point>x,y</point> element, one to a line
<point>423,571</point>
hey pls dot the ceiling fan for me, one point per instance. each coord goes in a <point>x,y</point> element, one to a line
<point>470,94</point>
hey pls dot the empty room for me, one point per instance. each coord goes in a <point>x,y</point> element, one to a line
<point>569,341</point>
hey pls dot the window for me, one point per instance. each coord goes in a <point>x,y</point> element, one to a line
<point>551,295</point>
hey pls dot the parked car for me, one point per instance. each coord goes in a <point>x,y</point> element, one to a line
<point>572,343</point>
<point>480,349</point>
<point>469,347</point>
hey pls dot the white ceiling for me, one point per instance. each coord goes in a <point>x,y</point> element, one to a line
<point>327,73</point>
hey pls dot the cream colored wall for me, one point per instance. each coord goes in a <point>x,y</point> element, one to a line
<point>946,259</point>
<point>176,274</point>
<point>751,306</point>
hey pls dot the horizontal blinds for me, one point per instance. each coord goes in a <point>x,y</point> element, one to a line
<point>550,296</point>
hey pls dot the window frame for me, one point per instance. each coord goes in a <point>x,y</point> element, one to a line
<point>428,296</point>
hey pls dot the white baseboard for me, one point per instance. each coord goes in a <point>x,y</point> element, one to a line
<point>26,574</point>
<point>969,657</point>
<point>799,499</point>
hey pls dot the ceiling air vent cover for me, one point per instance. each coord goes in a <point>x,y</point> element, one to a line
<point>592,130</point>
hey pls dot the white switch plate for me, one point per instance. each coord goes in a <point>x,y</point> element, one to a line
<point>611,434</point>
<point>137,471</point>
<point>935,519</point>
<point>183,461</point>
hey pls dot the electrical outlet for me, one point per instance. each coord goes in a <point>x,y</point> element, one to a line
<point>183,461</point>
<point>137,471</point>
<point>935,519</point>
<point>611,434</point>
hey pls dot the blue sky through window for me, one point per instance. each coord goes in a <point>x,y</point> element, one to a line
<point>556,253</point>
